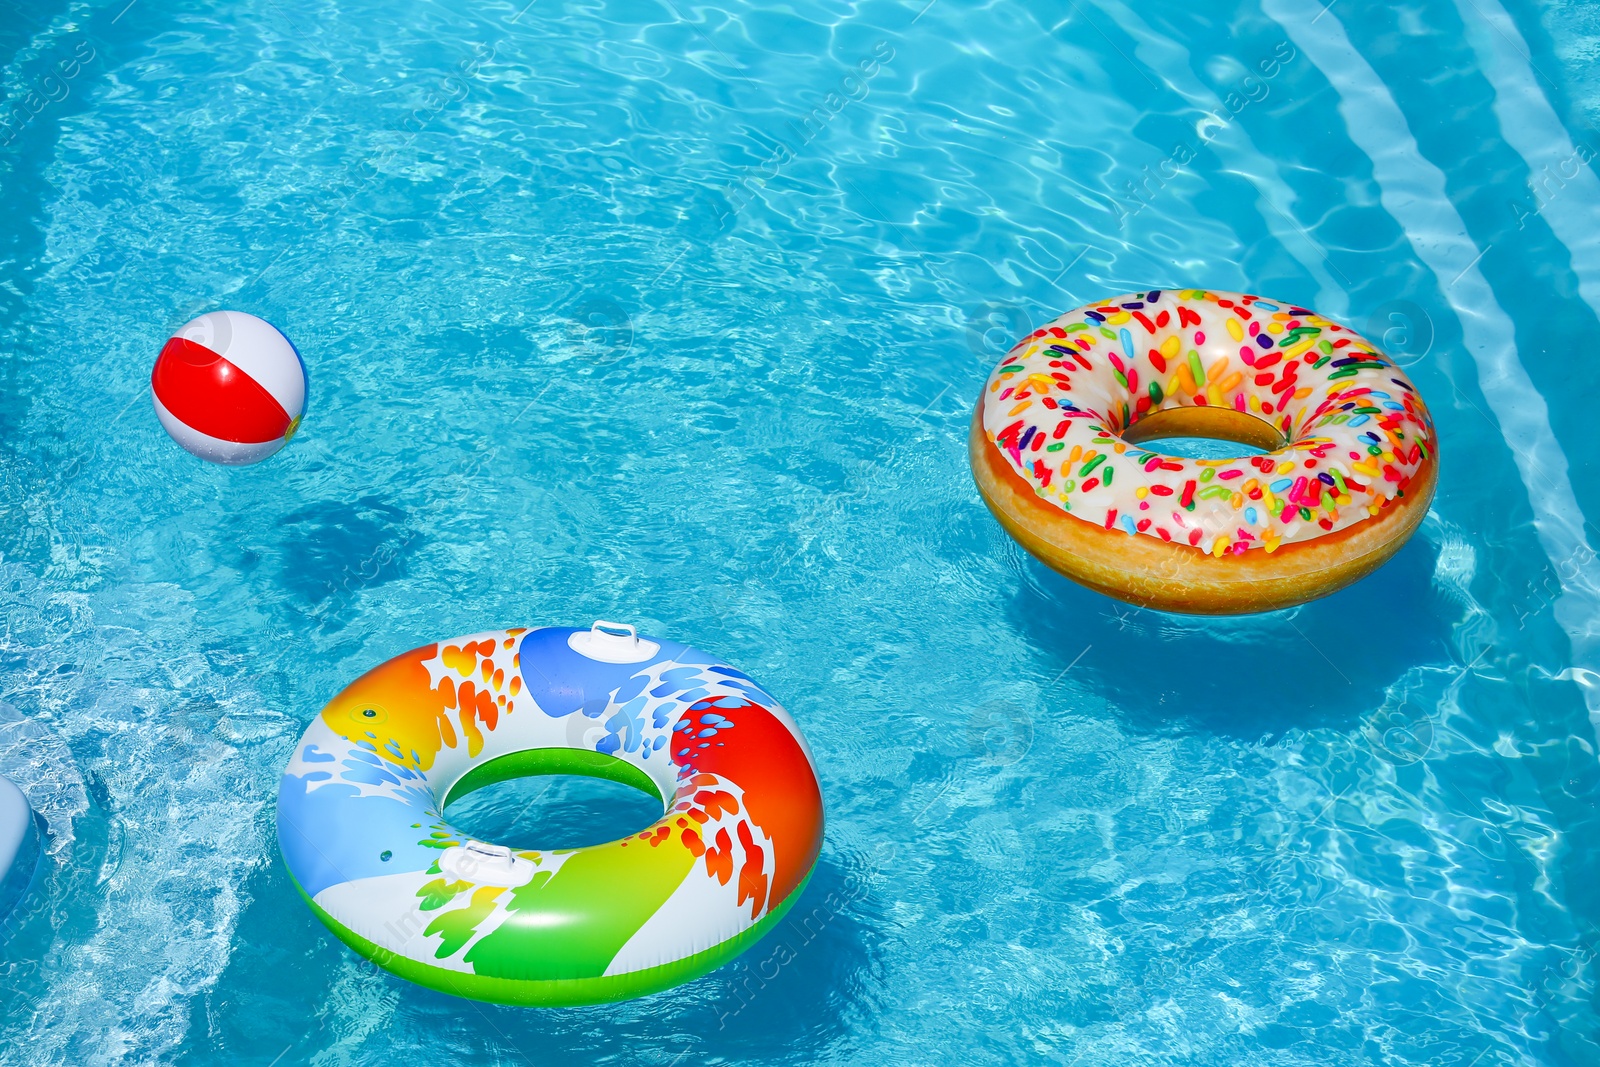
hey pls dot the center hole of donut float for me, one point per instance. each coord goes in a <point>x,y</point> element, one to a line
<point>553,799</point>
<point>1204,433</point>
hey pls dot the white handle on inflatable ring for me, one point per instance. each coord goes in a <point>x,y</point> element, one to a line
<point>486,864</point>
<point>612,642</point>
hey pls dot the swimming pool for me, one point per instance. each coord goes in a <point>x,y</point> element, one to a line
<point>674,313</point>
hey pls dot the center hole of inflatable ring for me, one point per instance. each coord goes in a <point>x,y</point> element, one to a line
<point>553,799</point>
<point>1204,433</point>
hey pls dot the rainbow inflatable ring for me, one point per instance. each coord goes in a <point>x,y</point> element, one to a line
<point>361,824</point>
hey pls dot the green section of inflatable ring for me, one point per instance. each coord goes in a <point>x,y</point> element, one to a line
<point>559,992</point>
<point>554,992</point>
<point>573,925</point>
<point>537,761</point>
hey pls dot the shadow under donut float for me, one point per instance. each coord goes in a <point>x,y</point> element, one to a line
<point>362,830</point>
<point>1349,469</point>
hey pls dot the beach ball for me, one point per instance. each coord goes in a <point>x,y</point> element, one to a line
<point>229,387</point>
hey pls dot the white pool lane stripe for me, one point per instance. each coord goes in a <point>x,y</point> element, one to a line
<point>1530,126</point>
<point>1413,191</point>
<point>1170,61</point>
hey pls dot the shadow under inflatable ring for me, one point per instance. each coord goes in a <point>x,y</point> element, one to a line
<point>362,830</point>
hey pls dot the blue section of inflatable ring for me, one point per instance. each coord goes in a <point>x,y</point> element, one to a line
<point>20,851</point>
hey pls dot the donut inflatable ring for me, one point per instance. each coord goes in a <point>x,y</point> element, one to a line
<point>1349,467</point>
<point>362,829</point>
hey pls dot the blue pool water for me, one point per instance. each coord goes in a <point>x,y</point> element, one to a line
<point>673,312</point>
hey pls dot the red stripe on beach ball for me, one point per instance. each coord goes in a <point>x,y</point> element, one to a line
<point>208,393</point>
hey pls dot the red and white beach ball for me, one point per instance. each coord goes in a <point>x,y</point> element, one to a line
<point>230,388</point>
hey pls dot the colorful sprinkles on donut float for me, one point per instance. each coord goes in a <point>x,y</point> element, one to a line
<point>1355,430</point>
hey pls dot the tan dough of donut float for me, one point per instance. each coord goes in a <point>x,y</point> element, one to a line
<point>1354,421</point>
